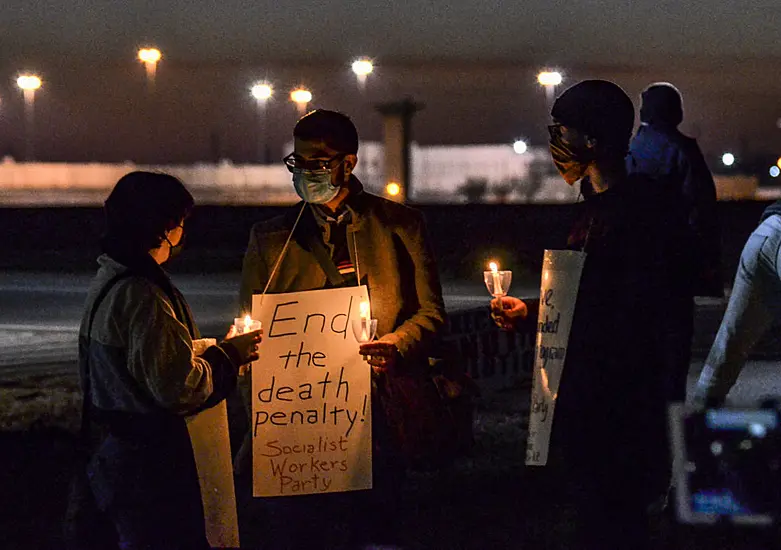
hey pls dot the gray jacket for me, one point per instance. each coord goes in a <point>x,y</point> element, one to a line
<point>135,330</point>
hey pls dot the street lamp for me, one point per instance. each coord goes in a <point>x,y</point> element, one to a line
<point>29,84</point>
<point>728,159</point>
<point>520,146</point>
<point>362,68</point>
<point>301,97</point>
<point>262,92</point>
<point>150,57</point>
<point>549,80</point>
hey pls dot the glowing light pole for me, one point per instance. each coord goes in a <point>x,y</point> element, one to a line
<point>262,92</point>
<point>301,97</point>
<point>29,84</point>
<point>150,57</point>
<point>549,80</point>
<point>362,68</point>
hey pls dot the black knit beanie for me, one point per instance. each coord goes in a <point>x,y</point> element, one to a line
<point>600,109</point>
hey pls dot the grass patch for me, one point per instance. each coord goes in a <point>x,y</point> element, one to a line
<point>40,402</point>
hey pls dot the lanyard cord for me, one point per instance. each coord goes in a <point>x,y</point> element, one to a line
<point>357,263</point>
<point>588,234</point>
<point>287,244</point>
<point>284,250</point>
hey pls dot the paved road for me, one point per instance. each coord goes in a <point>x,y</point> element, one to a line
<point>40,312</point>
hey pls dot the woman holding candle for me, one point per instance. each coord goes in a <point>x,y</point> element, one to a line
<point>144,370</point>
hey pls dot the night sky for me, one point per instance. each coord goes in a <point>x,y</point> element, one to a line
<point>472,62</point>
<point>563,31</point>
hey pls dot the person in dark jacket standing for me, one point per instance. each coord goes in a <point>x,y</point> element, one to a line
<point>608,452</point>
<point>661,151</point>
<point>341,235</point>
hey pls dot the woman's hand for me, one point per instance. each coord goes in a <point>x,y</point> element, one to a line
<point>245,344</point>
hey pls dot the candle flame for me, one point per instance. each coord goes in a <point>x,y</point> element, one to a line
<point>247,321</point>
<point>364,310</point>
<point>493,266</point>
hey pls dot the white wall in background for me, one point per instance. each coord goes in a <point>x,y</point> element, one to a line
<point>438,174</point>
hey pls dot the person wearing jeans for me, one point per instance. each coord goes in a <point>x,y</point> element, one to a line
<point>754,305</point>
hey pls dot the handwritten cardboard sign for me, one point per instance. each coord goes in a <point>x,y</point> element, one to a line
<point>561,270</point>
<point>311,395</point>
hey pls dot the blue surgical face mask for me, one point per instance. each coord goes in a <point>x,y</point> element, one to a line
<point>314,186</point>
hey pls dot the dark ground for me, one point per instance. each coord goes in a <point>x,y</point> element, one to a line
<point>488,501</point>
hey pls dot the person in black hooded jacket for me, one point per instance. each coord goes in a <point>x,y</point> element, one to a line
<point>608,453</point>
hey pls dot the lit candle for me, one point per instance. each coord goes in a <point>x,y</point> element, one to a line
<point>246,324</point>
<point>497,279</point>
<point>365,315</point>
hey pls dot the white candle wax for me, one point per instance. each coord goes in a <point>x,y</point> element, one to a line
<point>365,311</point>
<point>246,324</point>
<point>365,315</point>
<point>496,278</point>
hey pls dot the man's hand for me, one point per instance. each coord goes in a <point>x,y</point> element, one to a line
<point>382,356</point>
<point>507,311</point>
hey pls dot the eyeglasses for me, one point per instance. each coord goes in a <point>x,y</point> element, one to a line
<point>294,162</point>
<point>555,130</point>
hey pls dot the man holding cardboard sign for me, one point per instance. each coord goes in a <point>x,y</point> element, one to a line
<point>339,257</point>
<point>608,452</point>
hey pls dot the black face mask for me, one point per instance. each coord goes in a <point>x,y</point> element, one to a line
<point>176,249</point>
<point>571,164</point>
